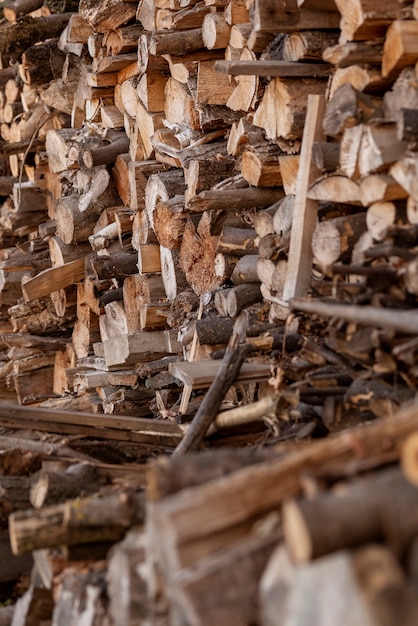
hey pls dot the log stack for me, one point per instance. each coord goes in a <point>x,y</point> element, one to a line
<point>208,258</point>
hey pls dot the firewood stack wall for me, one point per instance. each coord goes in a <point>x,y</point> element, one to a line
<point>188,186</point>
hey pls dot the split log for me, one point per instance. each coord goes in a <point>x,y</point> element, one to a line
<point>140,347</point>
<point>347,107</point>
<point>197,255</point>
<point>106,15</point>
<point>354,52</point>
<point>334,239</point>
<point>380,188</point>
<point>282,110</point>
<point>349,577</point>
<point>365,21</point>
<point>400,49</point>
<point>260,166</point>
<point>270,17</point>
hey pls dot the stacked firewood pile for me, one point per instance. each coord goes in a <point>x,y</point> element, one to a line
<point>208,259</point>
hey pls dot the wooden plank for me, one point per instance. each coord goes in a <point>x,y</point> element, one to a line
<point>200,374</point>
<point>110,427</point>
<point>53,279</point>
<point>305,210</point>
<point>280,69</point>
<point>118,422</point>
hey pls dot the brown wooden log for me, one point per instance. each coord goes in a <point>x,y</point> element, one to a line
<point>197,255</point>
<point>270,17</point>
<point>365,22</point>
<point>241,296</point>
<point>354,52</point>
<point>236,241</point>
<point>347,104</point>
<point>162,187</point>
<point>259,197</point>
<point>311,530</point>
<point>46,56</point>
<point>52,487</point>
<point>169,219</point>
<point>105,155</point>
<point>107,14</point>
<point>182,510</point>
<point>400,49</point>
<point>326,155</point>
<point>19,37</point>
<point>260,166</point>
<point>59,524</point>
<point>282,109</point>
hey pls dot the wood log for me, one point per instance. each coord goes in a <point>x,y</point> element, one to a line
<point>283,107</point>
<point>308,45</point>
<point>269,17</point>
<point>72,225</point>
<point>260,166</point>
<point>227,199</point>
<point>99,520</point>
<point>380,188</point>
<point>205,172</point>
<point>52,487</point>
<point>363,22</point>
<point>106,15</point>
<point>354,52</point>
<point>52,279</point>
<point>335,185</point>
<point>204,590</point>
<point>140,347</point>
<point>399,49</point>
<point>303,521</point>
<point>380,216</point>
<point>169,218</point>
<point>161,187</point>
<point>197,255</point>
<point>20,36</point>
<point>237,241</point>
<point>172,273</point>
<point>379,148</point>
<point>361,77</point>
<point>349,576</point>
<point>282,69</point>
<point>403,171</point>
<point>122,571</point>
<point>346,107</point>
<point>407,125</point>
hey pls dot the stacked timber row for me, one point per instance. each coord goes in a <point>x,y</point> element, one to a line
<point>176,177</point>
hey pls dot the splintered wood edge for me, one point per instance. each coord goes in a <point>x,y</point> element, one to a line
<point>296,533</point>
